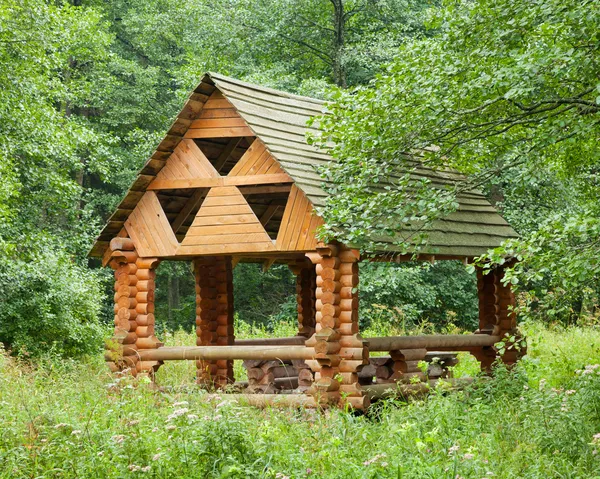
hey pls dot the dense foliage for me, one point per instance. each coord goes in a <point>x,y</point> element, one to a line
<point>68,419</point>
<point>505,92</point>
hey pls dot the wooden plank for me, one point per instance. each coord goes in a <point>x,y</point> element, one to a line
<point>149,228</point>
<point>218,132</point>
<point>296,219</point>
<point>253,153</point>
<point>286,216</point>
<point>303,231</point>
<point>223,220</point>
<point>187,162</point>
<point>230,122</point>
<point>225,249</point>
<point>160,184</point>
<point>217,104</point>
<point>199,230</point>
<point>217,211</point>
<point>226,153</point>
<point>136,228</point>
<point>256,168</point>
<point>196,155</point>
<point>225,200</point>
<point>219,113</point>
<point>310,241</point>
<point>224,238</point>
<point>265,189</point>
<point>159,225</point>
<point>268,214</point>
<point>187,209</point>
<point>210,228</point>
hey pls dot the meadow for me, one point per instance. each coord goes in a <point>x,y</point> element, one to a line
<point>72,419</point>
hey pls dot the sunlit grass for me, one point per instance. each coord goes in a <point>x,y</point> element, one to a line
<point>73,419</point>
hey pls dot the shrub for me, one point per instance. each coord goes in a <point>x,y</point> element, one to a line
<point>49,303</point>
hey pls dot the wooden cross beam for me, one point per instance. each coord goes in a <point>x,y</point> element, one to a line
<point>221,181</point>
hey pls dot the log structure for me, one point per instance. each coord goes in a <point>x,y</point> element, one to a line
<point>214,316</point>
<point>234,180</point>
<point>134,308</point>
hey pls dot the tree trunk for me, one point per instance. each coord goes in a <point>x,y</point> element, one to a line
<point>339,26</point>
<point>173,295</point>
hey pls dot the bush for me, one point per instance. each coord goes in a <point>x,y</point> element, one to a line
<point>49,303</point>
<point>406,295</point>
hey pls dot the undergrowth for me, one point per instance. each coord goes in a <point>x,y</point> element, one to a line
<point>69,419</point>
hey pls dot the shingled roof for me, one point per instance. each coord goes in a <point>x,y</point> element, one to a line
<point>279,119</point>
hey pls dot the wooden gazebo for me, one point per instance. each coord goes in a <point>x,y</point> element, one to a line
<point>234,180</point>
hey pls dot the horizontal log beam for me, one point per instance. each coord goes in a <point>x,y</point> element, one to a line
<point>272,400</point>
<point>208,353</point>
<point>446,342</point>
<point>378,391</point>
<point>249,180</point>
<point>289,341</point>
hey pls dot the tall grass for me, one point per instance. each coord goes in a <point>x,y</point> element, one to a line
<point>72,419</point>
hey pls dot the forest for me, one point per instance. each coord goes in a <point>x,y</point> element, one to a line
<point>505,92</point>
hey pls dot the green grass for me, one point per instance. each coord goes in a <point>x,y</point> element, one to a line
<point>71,419</point>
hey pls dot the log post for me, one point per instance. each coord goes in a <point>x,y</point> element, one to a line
<point>146,275</point>
<point>121,352</point>
<point>496,316</point>
<point>134,308</point>
<point>214,316</point>
<point>339,351</point>
<point>306,278</point>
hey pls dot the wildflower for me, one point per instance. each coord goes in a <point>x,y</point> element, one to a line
<point>469,456</point>
<point>542,384</point>
<point>453,449</point>
<point>76,432</point>
<point>156,457</point>
<point>180,403</point>
<point>61,425</point>
<point>374,459</point>
<point>192,417</point>
<point>154,429</point>
<point>133,422</point>
<point>217,417</point>
<point>134,468</point>
<point>146,469</point>
<point>177,413</point>
<point>100,454</point>
<point>281,475</point>
<point>118,438</point>
<point>384,464</point>
<point>171,428</point>
<point>308,471</point>
<point>569,392</point>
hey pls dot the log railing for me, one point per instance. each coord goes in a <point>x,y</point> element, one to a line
<point>292,348</point>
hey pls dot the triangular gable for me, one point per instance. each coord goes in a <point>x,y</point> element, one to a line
<point>299,224</point>
<point>225,224</point>
<point>187,162</point>
<point>256,161</point>
<point>149,228</point>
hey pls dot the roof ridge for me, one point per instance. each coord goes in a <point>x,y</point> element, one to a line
<point>253,86</point>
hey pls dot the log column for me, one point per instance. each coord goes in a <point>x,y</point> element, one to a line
<point>214,316</point>
<point>496,316</point>
<point>121,352</point>
<point>134,308</point>
<point>145,286</point>
<point>306,279</point>
<point>338,349</point>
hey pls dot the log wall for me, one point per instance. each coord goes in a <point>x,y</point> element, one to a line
<point>339,351</point>
<point>496,316</point>
<point>134,309</point>
<point>214,316</point>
